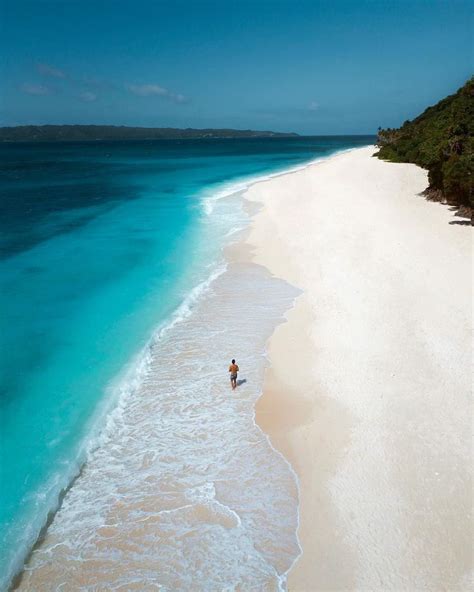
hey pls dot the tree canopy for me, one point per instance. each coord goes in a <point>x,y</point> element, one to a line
<point>440,140</point>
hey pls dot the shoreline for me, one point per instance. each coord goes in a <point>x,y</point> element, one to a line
<point>41,575</point>
<point>308,409</point>
<point>112,403</point>
<point>109,408</point>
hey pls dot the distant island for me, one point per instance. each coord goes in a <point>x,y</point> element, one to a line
<point>64,133</point>
<point>440,140</point>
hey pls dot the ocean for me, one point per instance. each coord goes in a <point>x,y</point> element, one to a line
<point>119,315</point>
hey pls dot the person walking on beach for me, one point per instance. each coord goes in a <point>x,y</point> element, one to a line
<point>233,369</point>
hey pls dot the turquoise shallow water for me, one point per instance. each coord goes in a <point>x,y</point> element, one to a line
<point>100,244</point>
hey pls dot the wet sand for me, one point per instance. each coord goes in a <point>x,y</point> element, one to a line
<point>369,390</point>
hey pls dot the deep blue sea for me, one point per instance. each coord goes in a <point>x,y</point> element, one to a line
<point>100,244</point>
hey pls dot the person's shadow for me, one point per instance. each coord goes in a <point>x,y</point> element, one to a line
<point>241,381</point>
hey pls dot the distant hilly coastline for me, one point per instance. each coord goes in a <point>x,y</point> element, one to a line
<point>64,133</point>
<point>440,140</point>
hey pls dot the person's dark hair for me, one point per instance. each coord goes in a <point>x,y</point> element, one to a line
<point>233,361</point>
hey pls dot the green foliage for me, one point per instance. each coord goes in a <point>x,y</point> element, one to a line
<point>441,140</point>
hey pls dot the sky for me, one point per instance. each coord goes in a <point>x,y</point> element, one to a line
<point>311,67</point>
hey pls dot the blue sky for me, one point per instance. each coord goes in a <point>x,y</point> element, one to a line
<point>330,67</point>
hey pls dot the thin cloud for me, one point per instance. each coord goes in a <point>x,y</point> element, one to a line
<point>48,70</point>
<point>147,90</point>
<point>36,89</point>
<point>313,106</point>
<point>87,96</point>
<point>155,90</point>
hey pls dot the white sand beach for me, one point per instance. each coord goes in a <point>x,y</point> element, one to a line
<point>369,390</point>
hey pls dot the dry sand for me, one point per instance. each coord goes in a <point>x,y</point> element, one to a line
<point>368,394</point>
